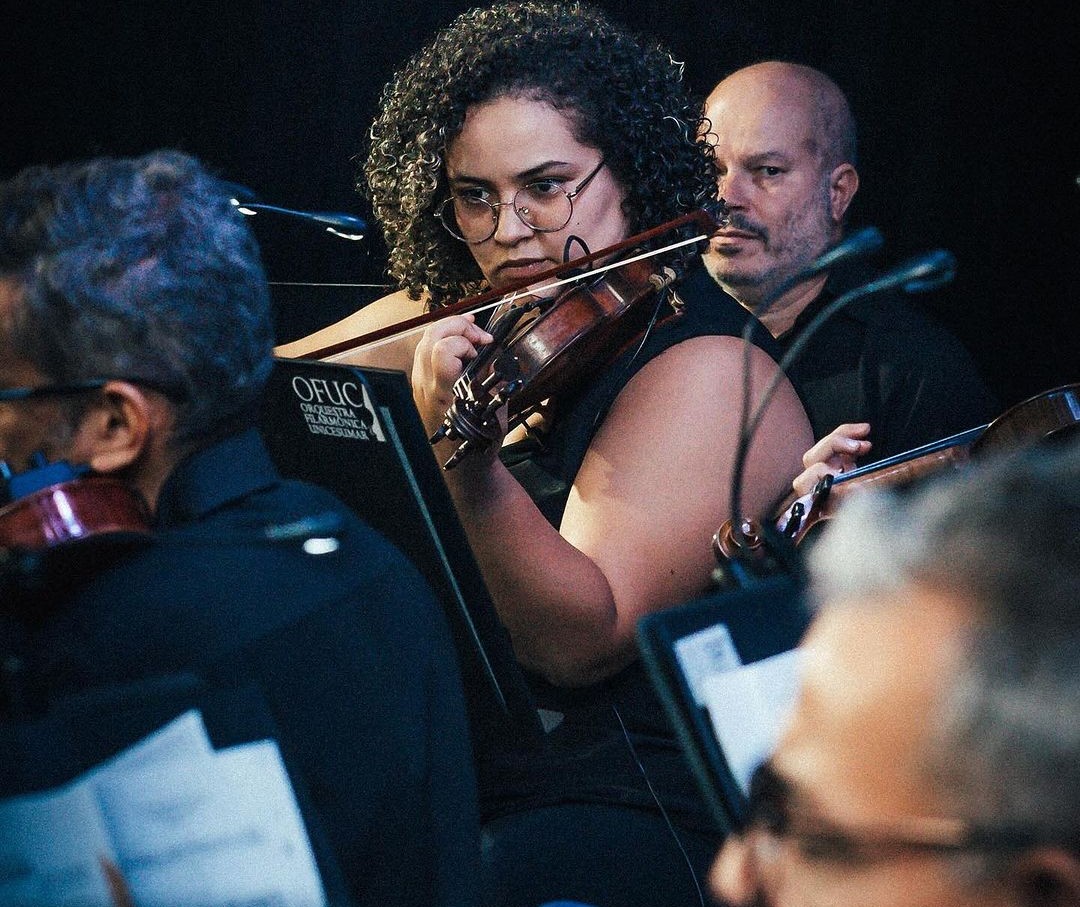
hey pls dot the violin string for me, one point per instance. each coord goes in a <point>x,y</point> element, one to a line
<point>528,291</point>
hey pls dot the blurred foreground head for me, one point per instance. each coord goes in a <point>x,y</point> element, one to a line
<point>934,754</point>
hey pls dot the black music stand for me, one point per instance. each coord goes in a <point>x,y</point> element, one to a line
<point>766,619</point>
<point>356,432</point>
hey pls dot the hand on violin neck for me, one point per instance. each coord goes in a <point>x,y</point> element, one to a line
<point>834,454</point>
<point>444,351</point>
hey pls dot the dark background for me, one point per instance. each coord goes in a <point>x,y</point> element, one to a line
<point>969,118</point>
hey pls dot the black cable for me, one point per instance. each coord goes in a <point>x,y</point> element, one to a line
<point>860,243</point>
<point>660,806</point>
<point>920,274</point>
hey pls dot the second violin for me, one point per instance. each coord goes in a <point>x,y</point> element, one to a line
<point>1050,414</point>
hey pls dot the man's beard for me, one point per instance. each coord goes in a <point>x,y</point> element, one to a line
<point>805,237</point>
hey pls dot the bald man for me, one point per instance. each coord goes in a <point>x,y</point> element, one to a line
<point>883,370</point>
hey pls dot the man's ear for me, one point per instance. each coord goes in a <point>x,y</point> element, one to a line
<point>843,184</point>
<point>116,429</point>
<point>1046,877</point>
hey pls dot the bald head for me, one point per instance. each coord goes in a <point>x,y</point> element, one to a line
<point>792,90</point>
<point>783,140</point>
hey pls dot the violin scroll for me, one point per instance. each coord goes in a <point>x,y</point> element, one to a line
<point>795,517</point>
<point>753,553</point>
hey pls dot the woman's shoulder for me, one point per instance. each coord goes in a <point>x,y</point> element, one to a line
<point>383,312</point>
<point>393,308</point>
<point>379,313</point>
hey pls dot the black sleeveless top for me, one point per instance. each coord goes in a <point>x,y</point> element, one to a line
<point>602,732</point>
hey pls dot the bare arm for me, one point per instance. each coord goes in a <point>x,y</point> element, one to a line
<point>387,310</point>
<point>652,489</point>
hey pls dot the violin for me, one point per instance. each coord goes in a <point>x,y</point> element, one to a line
<point>1052,414</point>
<point>563,337</point>
<point>551,353</point>
<point>62,519</point>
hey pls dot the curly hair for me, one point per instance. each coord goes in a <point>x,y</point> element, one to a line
<point>625,97</point>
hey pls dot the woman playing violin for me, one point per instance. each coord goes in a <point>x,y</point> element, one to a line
<point>522,136</point>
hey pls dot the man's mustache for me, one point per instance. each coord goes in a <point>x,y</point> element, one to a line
<point>737,221</point>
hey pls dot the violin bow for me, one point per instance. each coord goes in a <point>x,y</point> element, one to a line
<point>555,276</point>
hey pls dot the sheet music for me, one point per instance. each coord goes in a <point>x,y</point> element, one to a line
<point>748,707</point>
<point>185,824</point>
<point>50,845</point>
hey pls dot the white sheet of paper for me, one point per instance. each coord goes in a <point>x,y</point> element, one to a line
<point>702,654</point>
<point>230,835</point>
<point>50,847</point>
<point>51,843</point>
<point>185,824</point>
<point>748,707</point>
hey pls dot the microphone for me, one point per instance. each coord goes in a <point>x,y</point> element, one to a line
<point>919,274</point>
<point>862,242</point>
<point>346,226</point>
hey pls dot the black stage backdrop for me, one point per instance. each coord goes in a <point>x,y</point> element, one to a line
<point>969,116</point>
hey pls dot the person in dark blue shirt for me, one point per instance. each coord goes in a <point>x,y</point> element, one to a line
<point>135,339</point>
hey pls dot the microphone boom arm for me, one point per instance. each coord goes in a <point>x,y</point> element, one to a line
<point>920,274</point>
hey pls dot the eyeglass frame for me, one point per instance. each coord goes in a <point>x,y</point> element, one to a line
<point>571,195</point>
<point>18,394</point>
<point>871,843</point>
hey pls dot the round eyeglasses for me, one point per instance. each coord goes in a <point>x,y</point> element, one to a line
<point>543,206</point>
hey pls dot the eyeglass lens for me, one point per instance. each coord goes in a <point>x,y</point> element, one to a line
<point>544,206</point>
<point>539,206</point>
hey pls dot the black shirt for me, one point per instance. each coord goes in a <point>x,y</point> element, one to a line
<point>348,648</point>
<point>588,757</point>
<point>885,361</point>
